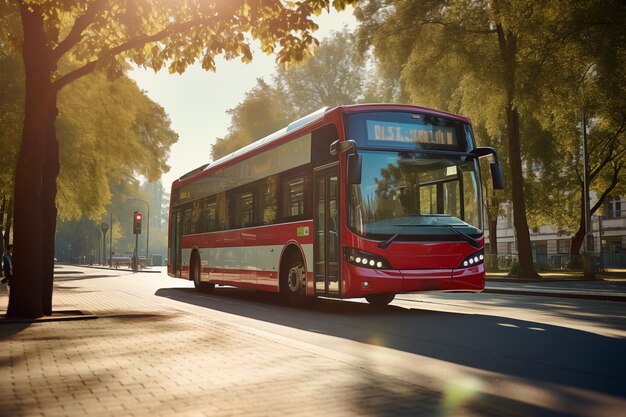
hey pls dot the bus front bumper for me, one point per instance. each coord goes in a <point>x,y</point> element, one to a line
<point>360,282</point>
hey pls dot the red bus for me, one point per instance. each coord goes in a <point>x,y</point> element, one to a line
<point>354,201</point>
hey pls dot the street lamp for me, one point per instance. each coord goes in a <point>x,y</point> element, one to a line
<point>147,229</point>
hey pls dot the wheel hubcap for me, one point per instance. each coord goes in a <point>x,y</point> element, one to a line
<point>295,279</point>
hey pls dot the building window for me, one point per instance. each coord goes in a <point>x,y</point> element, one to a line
<point>509,216</point>
<point>511,247</point>
<point>562,246</point>
<point>614,208</point>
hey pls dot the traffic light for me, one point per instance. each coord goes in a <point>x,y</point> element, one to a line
<point>137,216</point>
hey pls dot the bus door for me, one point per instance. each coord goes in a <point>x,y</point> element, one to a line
<point>326,243</point>
<point>176,253</point>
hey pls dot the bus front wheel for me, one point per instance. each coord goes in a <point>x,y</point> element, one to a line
<point>294,281</point>
<point>380,299</point>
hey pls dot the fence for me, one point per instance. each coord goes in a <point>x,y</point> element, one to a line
<point>558,262</point>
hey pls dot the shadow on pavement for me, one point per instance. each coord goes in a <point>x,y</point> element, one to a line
<point>522,349</point>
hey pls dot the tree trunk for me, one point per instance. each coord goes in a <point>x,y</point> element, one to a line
<point>579,236</point>
<point>492,264</point>
<point>524,251</point>
<point>2,210</point>
<point>8,222</point>
<point>32,226</point>
<point>51,173</point>
<point>493,236</point>
<point>507,41</point>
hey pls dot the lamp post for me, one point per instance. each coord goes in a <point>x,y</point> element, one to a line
<point>588,239</point>
<point>111,243</point>
<point>147,229</point>
<point>105,228</point>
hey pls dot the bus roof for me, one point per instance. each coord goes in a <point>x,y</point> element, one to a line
<point>296,125</point>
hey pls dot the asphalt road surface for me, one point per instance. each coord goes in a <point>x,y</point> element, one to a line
<point>511,355</point>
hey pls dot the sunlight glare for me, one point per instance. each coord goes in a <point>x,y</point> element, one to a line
<point>459,391</point>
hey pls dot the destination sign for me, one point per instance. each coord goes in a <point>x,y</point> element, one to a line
<point>410,133</point>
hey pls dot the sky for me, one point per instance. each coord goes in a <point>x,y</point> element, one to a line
<point>197,100</point>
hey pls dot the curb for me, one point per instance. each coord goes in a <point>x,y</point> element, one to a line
<point>61,315</point>
<point>559,294</point>
<point>152,271</point>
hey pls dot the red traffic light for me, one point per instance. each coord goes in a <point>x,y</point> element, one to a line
<point>137,216</point>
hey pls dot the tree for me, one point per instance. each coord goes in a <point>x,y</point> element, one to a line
<point>11,113</point>
<point>93,126</point>
<point>103,34</point>
<point>506,49</point>
<point>109,132</point>
<point>333,75</point>
<point>592,80</point>
<point>259,114</point>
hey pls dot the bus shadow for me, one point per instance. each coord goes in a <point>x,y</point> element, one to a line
<point>519,348</point>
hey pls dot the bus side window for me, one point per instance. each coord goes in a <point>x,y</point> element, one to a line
<point>293,196</point>
<point>187,225</point>
<point>222,211</point>
<point>212,216</point>
<point>244,210</point>
<point>320,145</point>
<point>269,187</point>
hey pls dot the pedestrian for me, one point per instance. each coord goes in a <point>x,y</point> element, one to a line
<point>7,264</point>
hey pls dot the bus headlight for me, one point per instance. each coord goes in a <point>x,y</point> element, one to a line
<point>474,259</point>
<point>365,259</point>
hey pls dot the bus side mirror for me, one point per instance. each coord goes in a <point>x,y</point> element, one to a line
<point>354,160</point>
<point>338,147</point>
<point>354,168</point>
<point>496,175</point>
<point>495,167</point>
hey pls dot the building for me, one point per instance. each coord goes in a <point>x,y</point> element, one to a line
<point>551,249</point>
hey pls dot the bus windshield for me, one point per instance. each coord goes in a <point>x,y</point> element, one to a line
<point>416,196</point>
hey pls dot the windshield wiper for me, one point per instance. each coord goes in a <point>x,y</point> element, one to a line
<point>474,242</point>
<point>386,243</point>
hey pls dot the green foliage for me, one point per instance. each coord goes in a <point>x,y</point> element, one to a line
<point>475,57</point>
<point>109,132</point>
<point>80,240</point>
<point>332,76</point>
<point>11,116</point>
<point>258,115</point>
<point>157,33</point>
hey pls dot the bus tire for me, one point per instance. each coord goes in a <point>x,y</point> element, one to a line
<point>195,272</point>
<point>380,300</point>
<point>293,281</point>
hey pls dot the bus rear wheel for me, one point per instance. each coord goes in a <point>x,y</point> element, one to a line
<point>195,271</point>
<point>380,299</point>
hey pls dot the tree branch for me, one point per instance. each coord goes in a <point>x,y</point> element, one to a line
<point>607,191</point>
<point>458,27</point>
<point>76,34</point>
<point>124,47</point>
<point>612,154</point>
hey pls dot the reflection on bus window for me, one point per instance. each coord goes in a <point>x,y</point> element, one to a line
<point>294,196</point>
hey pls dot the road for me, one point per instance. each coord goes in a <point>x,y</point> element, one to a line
<point>501,354</point>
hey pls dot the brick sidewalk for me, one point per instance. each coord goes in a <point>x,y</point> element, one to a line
<point>142,357</point>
